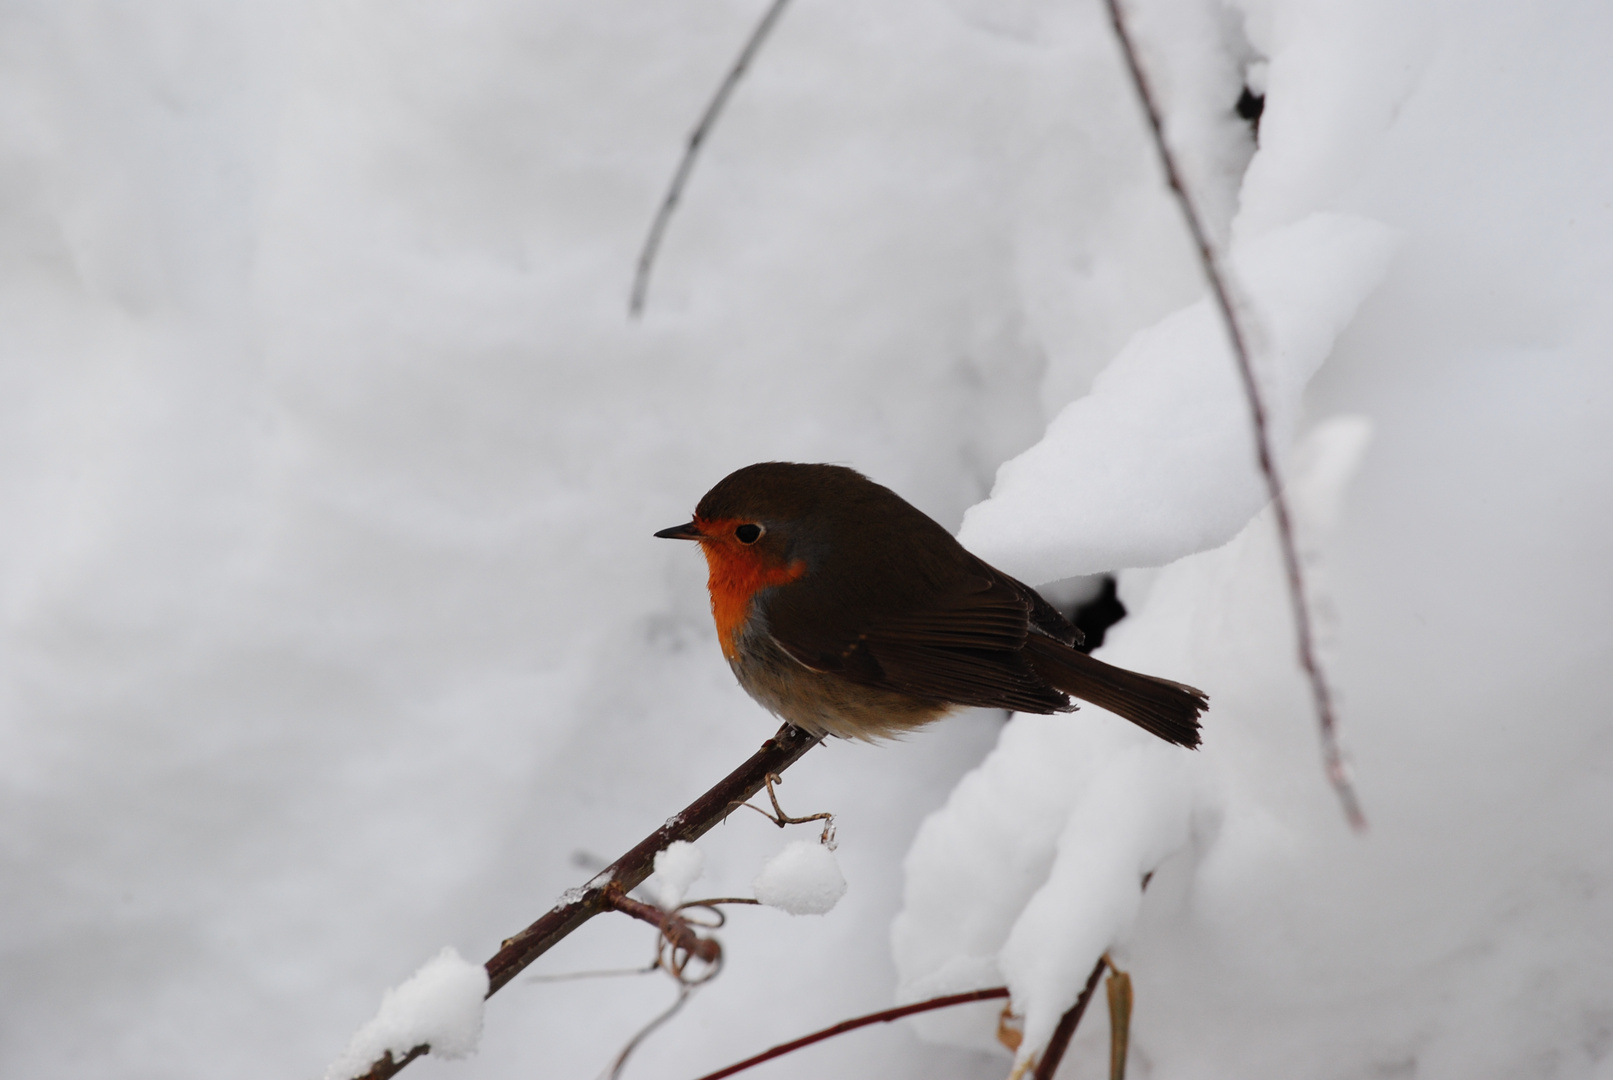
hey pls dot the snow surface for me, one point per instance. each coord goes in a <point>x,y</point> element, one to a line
<point>440,1006</point>
<point>1036,865</point>
<point>333,628</point>
<point>676,868</point>
<point>803,879</point>
<point>1158,460</point>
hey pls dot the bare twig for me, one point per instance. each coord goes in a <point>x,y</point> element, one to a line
<point>715,900</point>
<point>610,886</point>
<point>684,990</point>
<point>781,819</point>
<point>1045,1068</point>
<point>1048,1064</point>
<point>677,935</point>
<point>386,1066</point>
<point>884,1016</point>
<point>597,973</point>
<point>691,150</point>
<point>1333,757</point>
<point>675,946</point>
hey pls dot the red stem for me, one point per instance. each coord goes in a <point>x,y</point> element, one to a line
<point>883,1017</point>
<point>1060,1042</point>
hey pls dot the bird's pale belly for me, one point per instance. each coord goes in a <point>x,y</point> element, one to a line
<point>821,702</point>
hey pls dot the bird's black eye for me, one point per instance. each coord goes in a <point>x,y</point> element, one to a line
<point>748,534</point>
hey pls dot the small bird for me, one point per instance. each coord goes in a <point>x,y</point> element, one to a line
<point>847,611</point>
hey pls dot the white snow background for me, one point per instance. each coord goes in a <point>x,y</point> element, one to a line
<point>334,633</point>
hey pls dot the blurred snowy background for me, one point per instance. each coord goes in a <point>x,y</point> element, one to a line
<point>334,632</point>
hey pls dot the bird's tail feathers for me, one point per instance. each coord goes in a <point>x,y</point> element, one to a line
<point>1167,709</point>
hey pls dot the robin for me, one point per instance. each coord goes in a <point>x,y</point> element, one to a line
<point>846,610</point>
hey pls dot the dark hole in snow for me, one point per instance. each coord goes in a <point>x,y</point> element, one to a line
<point>1249,107</point>
<point>1094,615</point>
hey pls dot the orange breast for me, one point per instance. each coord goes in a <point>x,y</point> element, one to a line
<point>737,575</point>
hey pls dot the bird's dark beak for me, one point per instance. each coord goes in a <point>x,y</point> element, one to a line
<point>680,532</point>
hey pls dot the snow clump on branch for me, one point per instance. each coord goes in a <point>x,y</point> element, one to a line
<point>803,879</point>
<point>439,1006</point>
<point>676,868</point>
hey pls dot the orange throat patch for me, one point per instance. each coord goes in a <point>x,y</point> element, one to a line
<point>737,575</point>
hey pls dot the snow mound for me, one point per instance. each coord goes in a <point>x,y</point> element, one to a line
<point>676,868</point>
<point>803,879</point>
<point>1036,866</point>
<point>439,1006</point>
<point>1157,462</point>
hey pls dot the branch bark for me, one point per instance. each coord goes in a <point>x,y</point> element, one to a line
<point>1327,720</point>
<point>577,906</point>
<point>1048,1064</point>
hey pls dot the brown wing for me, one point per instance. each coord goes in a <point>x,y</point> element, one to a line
<point>963,646</point>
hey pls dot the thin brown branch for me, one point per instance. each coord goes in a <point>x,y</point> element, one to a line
<point>610,886</point>
<point>676,931</point>
<point>386,1067</point>
<point>1048,1064</point>
<point>684,990</point>
<point>715,900</point>
<point>884,1016</point>
<point>691,150</point>
<point>1333,757</point>
<point>597,973</point>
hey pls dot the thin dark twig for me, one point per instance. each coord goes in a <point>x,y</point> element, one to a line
<point>676,934</point>
<point>385,1066</point>
<point>884,1016</point>
<point>684,990</point>
<point>781,819</point>
<point>598,973</point>
<point>691,150</point>
<point>715,900</point>
<point>720,915</point>
<point>1338,773</point>
<point>628,872</point>
<point>1060,1042</point>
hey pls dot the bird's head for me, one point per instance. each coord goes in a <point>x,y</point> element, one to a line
<point>762,527</point>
